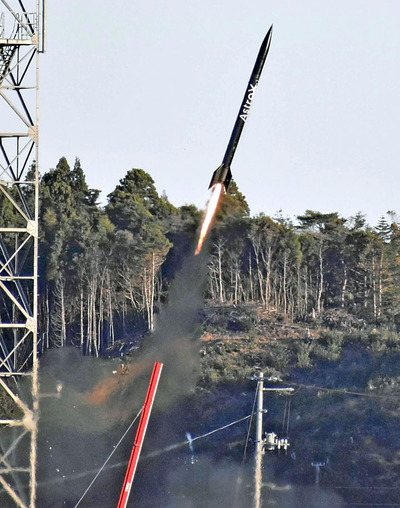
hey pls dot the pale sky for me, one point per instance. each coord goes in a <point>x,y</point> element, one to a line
<point>157,85</point>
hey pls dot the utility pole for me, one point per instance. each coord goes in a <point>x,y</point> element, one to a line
<point>272,440</point>
<point>259,441</point>
<point>317,466</point>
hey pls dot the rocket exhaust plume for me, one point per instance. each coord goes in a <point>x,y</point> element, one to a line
<point>210,212</point>
<point>222,175</point>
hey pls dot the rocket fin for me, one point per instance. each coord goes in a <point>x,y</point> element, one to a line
<point>221,175</point>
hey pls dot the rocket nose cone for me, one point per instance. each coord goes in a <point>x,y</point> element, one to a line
<point>265,46</point>
<point>267,39</point>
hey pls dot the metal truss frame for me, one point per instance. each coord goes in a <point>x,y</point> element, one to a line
<point>21,41</point>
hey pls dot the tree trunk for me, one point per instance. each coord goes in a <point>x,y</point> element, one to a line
<point>284,284</point>
<point>380,285</point>
<point>251,296</point>
<point>94,327</point>
<point>82,322</point>
<point>110,314</point>
<point>268,279</point>
<point>220,278</point>
<point>306,291</point>
<point>374,302</point>
<point>47,318</point>
<point>89,326</point>
<point>321,280</point>
<point>344,285</point>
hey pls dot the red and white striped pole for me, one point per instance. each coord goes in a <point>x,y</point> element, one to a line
<point>140,433</point>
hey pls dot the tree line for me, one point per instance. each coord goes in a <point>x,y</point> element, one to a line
<point>105,271</point>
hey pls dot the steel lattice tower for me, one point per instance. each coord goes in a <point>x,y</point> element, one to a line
<point>21,42</point>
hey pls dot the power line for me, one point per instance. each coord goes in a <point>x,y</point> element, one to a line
<point>186,442</point>
<point>221,428</point>
<point>108,458</point>
<point>156,453</point>
<point>364,488</point>
<point>343,391</point>
<point>372,504</point>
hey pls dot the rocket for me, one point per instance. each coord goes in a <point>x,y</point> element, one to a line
<point>223,173</point>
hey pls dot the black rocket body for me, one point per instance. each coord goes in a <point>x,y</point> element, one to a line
<point>223,173</point>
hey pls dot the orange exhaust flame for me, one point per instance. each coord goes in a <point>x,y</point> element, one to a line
<point>210,212</point>
<point>125,374</point>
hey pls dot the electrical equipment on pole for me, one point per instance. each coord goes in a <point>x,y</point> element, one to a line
<point>317,466</point>
<point>270,442</point>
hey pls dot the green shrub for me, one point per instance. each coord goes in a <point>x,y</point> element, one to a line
<point>304,349</point>
<point>329,345</point>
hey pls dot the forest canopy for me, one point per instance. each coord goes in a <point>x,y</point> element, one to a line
<point>105,271</point>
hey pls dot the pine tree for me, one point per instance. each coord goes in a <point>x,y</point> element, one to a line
<point>139,214</point>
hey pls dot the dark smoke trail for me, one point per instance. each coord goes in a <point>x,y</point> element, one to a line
<point>79,429</point>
